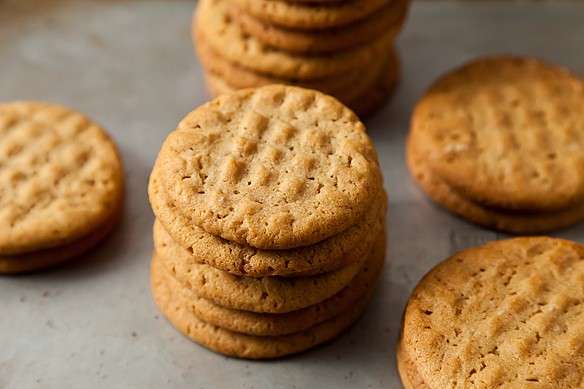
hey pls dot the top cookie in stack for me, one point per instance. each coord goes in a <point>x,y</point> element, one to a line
<point>341,47</point>
<point>270,230</point>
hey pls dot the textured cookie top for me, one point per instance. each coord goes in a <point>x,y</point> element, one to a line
<point>214,25</point>
<point>507,314</point>
<point>275,167</point>
<point>60,177</point>
<point>507,132</point>
<point>311,16</point>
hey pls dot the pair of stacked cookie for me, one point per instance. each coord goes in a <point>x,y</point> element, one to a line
<point>270,222</point>
<point>61,185</point>
<point>344,48</point>
<point>500,142</point>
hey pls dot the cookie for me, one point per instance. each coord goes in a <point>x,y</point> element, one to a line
<point>506,314</point>
<point>390,18</point>
<point>276,324</point>
<point>262,295</point>
<point>507,221</point>
<point>51,257</point>
<point>507,132</point>
<point>363,101</point>
<point>311,16</point>
<point>328,255</point>
<point>224,76</point>
<point>214,26</point>
<point>240,345</point>
<point>60,177</point>
<point>276,167</point>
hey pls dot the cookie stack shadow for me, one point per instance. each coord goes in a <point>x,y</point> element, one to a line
<point>274,262</point>
<point>344,48</point>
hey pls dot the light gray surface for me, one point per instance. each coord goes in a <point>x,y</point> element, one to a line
<point>130,65</point>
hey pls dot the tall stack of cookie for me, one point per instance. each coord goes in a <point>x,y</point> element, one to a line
<point>344,48</point>
<point>270,222</point>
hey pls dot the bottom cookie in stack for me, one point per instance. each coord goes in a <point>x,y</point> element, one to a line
<point>221,325</point>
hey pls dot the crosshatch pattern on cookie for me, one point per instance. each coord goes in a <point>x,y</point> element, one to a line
<point>506,132</point>
<point>504,314</point>
<point>276,167</point>
<point>60,177</point>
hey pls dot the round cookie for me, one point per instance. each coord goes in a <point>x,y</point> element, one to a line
<point>276,324</point>
<point>276,167</point>
<point>514,222</point>
<point>247,346</point>
<point>214,26</point>
<point>262,295</point>
<point>328,255</point>
<point>223,76</point>
<point>311,16</point>
<point>506,314</point>
<point>389,18</point>
<point>506,132</point>
<point>60,178</point>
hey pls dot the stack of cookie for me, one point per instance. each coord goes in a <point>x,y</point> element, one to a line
<point>61,185</point>
<point>270,222</point>
<point>500,142</point>
<point>344,48</point>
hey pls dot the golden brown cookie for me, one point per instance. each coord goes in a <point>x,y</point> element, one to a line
<point>364,98</point>
<point>60,178</point>
<point>263,295</point>
<point>390,18</point>
<point>507,132</point>
<point>328,255</point>
<point>223,76</point>
<point>506,314</point>
<point>248,346</point>
<point>508,221</point>
<point>275,167</point>
<point>214,26</point>
<point>276,324</point>
<point>311,16</point>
